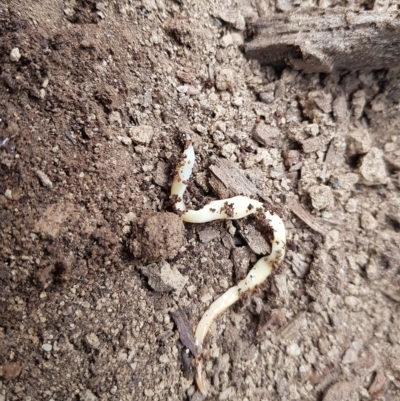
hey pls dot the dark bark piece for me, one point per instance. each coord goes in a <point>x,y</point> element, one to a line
<point>307,217</point>
<point>326,40</point>
<point>219,188</point>
<point>232,180</point>
<point>185,331</point>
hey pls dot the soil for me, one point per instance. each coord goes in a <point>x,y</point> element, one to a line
<point>93,100</point>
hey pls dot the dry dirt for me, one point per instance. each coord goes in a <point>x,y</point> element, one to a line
<point>91,106</point>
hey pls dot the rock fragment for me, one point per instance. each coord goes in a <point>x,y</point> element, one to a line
<point>332,239</point>
<point>45,181</point>
<point>267,135</point>
<point>8,194</point>
<point>15,55</point>
<point>344,391</point>
<point>87,395</point>
<point>321,197</point>
<point>142,134</point>
<point>234,18</point>
<point>47,347</point>
<point>359,142</point>
<point>368,221</point>
<point>373,168</point>
<point>225,80</point>
<point>92,341</point>
<point>164,278</point>
<point>208,235</point>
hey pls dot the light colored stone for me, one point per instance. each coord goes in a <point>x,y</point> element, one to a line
<point>368,222</point>
<point>225,80</point>
<point>321,197</point>
<point>233,17</point>
<point>373,269</point>
<point>358,142</point>
<point>312,129</point>
<point>142,134</point>
<point>128,218</point>
<point>228,394</point>
<point>125,140</point>
<point>351,205</point>
<point>373,168</point>
<point>332,239</point>
<point>47,347</point>
<point>237,101</point>
<point>164,278</point>
<point>44,179</point>
<point>92,341</point>
<point>293,350</point>
<point>8,194</point>
<point>15,55</point>
<point>87,395</point>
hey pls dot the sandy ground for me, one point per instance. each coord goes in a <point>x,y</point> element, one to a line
<point>93,100</point>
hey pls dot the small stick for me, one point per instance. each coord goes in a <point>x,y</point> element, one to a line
<point>227,209</point>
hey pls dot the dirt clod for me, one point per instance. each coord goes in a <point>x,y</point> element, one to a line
<point>157,237</point>
<point>10,371</point>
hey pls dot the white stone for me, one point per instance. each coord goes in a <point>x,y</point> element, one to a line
<point>293,350</point>
<point>15,55</point>
<point>8,194</point>
<point>47,347</point>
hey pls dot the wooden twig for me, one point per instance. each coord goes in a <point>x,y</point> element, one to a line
<point>233,179</point>
<point>326,40</point>
<point>307,217</point>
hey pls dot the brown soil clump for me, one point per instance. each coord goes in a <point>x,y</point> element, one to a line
<point>157,237</point>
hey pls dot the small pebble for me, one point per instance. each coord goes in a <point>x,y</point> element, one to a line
<point>293,350</point>
<point>368,221</point>
<point>44,179</point>
<point>92,341</point>
<point>8,194</point>
<point>125,140</point>
<point>237,101</point>
<point>15,55</point>
<point>47,347</point>
<point>141,134</point>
